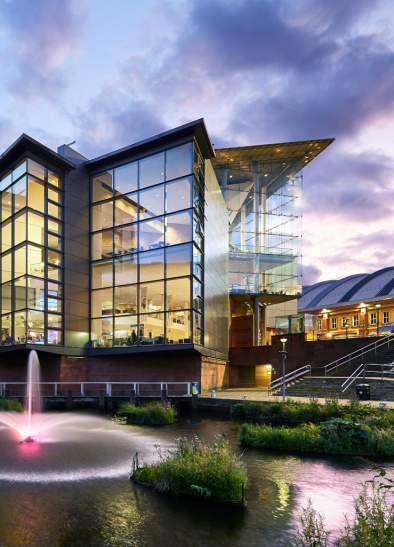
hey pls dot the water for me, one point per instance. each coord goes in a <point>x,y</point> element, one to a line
<point>70,485</point>
<point>33,403</point>
<point>72,488</point>
<point>27,425</point>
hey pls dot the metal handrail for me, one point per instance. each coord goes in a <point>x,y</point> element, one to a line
<point>385,340</point>
<point>289,377</point>
<point>362,371</point>
<point>107,385</point>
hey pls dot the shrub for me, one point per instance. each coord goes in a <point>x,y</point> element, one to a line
<point>11,405</point>
<point>312,532</point>
<point>290,413</point>
<point>155,413</point>
<point>294,413</point>
<point>304,438</point>
<point>199,470</point>
<point>336,436</point>
<point>373,524</point>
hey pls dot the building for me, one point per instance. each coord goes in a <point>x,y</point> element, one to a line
<point>359,305</point>
<point>120,267</point>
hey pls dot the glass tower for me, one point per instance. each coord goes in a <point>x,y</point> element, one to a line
<point>147,238</point>
<point>31,256</point>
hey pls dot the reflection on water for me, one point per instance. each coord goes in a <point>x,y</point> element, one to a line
<point>113,512</point>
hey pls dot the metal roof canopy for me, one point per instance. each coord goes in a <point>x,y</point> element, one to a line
<point>274,161</point>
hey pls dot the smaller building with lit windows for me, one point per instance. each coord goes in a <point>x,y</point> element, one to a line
<point>359,305</point>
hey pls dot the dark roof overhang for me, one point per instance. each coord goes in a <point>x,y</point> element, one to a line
<point>195,129</point>
<point>278,162</point>
<point>25,144</point>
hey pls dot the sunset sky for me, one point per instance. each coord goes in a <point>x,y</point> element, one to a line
<point>107,73</point>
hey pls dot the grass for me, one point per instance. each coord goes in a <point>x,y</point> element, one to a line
<point>336,436</point>
<point>155,413</point>
<point>211,472</point>
<point>11,405</point>
<point>294,413</point>
<point>372,526</point>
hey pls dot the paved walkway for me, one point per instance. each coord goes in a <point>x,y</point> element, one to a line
<point>254,394</point>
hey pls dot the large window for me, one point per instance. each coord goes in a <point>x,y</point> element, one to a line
<point>31,256</point>
<point>145,248</point>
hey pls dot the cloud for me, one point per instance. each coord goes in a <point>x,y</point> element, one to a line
<point>349,186</point>
<point>270,71</point>
<point>114,120</point>
<point>42,36</point>
<point>7,133</point>
<point>310,274</point>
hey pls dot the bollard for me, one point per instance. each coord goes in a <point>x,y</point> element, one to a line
<point>164,393</point>
<point>69,403</point>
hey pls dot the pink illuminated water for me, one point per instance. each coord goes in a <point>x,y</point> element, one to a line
<point>33,405</point>
<point>27,425</point>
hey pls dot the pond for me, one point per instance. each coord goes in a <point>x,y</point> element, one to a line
<point>72,488</point>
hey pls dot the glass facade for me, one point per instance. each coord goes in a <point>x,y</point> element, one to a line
<point>147,237</point>
<point>31,257</point>
<point>262,194</point>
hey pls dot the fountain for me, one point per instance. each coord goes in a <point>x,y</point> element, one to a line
<point>25,423</point>
<point>33,394</point>
<point>38,446</point>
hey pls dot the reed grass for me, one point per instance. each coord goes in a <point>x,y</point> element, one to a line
<point>155,413</point>
<point>11,405</point>
<point>211,472</point>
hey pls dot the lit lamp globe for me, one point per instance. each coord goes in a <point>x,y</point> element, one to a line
<point>283,340</point>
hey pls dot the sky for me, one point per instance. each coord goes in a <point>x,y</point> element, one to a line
<point>108,73</point>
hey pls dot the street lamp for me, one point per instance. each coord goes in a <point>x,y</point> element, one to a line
<point>378,306</point>
<point>346,327</point>
<point>284,357</point>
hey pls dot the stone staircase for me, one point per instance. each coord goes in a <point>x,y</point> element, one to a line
<point>329,387</point>
<point>326,382</point>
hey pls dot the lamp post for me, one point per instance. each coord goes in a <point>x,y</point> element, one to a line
<point>378,306</point>
<point>283,352</point>
<point>346,327</point>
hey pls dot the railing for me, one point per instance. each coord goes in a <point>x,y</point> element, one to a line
<point>362,370</point>
<point>361,352</point>
<point>290,377</point>
<point>97,389</point>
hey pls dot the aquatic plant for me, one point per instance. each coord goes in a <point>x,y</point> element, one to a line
<point>292,413</point>
<point>155,413</point>
<point>196,469</point>
<point>10,405</point>
<point>372,525</point>
<point>312,532</point>
<point>337,436</point>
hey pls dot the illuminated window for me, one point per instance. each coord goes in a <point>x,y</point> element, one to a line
<point>146,252</point>
<point>373,318</point>
<point>333,322</point>
<point>31,257</point>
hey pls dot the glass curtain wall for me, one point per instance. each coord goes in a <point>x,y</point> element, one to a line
<point>265,226</point>
<point>31,258</point>
<point>147,249</point>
